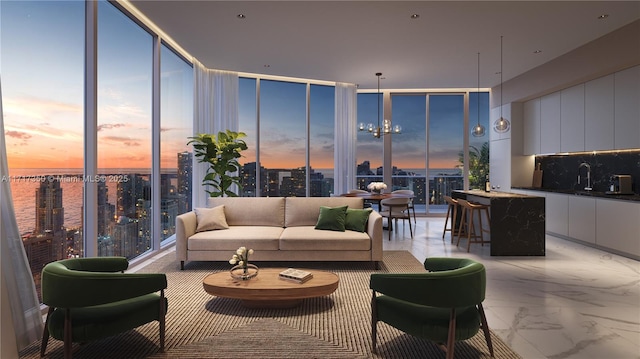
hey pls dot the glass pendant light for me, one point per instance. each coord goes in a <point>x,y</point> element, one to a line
<point>478,130</point>
<point>501,125</point>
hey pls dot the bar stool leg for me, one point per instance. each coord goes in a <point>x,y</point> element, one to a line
<point>463,221</point>
<point>471,230</point>
<point>453,221</point>
<point>445,224</point>
<point>488,230</point>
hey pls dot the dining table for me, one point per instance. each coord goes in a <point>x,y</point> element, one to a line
<point>371,197</point>
<point>375,198</point>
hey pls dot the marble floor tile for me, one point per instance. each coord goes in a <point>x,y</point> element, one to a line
<point>574,302</point>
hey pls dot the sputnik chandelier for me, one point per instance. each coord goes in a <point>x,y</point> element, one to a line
<point>386,127</point>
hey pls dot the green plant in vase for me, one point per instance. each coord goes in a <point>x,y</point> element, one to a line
<point>221,152</point>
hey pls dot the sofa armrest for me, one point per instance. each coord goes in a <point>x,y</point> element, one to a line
<point>374,230</point>
<point>186,225</point>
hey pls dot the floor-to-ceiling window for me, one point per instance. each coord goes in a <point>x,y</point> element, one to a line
<point>290,128</point>
<point>478,146</point>
<point>42,88</point>
<point>176,90</point>
<point>247,114</point>
<point>429,156</point>
<point>369,150</point>
<point>321,140</point>
<point>409,151</point>
<point>283,137</point>
<point>125,53</point>
<point>445,141</point>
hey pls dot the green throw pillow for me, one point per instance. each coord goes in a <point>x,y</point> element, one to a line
<point>332,218</point>
<point>356,219</point>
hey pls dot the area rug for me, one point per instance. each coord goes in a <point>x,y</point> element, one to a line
<point>337,326</point>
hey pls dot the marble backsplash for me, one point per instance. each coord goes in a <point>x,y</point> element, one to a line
<point>560,172</point>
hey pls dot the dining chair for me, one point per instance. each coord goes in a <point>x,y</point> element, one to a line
<point>396,208</point>
<point>367,204</point>
<point>409,193</point>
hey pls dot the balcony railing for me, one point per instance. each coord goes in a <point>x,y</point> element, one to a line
<point>431,192</point>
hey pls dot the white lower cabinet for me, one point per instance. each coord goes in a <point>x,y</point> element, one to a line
<point>582,218</point>
<point>605,223</point>
<point>556,213</point>
<point>618,225</point>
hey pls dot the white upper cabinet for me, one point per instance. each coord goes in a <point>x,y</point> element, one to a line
<point>572,119</point>
<point>627,108</point>
<point>598,114</point>
<point>550,123</point>
<point>531,127</point>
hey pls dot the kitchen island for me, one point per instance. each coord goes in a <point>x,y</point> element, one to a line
<point>517,221</point>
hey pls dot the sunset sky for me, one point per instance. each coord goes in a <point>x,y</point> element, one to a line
<point>42,78</point>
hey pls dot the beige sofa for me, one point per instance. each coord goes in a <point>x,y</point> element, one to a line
<point>278,229</point>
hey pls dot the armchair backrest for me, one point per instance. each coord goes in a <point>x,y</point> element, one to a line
<point>453,282</point>
<point>83,282</point>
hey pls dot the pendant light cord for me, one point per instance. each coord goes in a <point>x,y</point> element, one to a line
<point>378,95</point>
<point>501,78</point>
<point>478,93</point>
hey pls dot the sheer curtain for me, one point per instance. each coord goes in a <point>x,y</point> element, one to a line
<point>17,282</point>
<point>345,137</point>
<point>215,108</point>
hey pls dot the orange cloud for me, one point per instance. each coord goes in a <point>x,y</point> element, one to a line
<point>18,135</point>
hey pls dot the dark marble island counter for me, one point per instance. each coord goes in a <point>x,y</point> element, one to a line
<point>517,221</point>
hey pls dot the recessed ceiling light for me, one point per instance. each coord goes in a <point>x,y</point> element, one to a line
<point>415,16</point>
<point>267,65</point>
<point>537,51</point>
<point>603,16</point>
<point>241,16</point>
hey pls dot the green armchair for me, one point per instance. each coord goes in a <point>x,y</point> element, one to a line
<point>91,298</point>
<point>443,305</point>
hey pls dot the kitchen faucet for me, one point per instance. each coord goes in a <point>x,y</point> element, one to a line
<point>584,164</point>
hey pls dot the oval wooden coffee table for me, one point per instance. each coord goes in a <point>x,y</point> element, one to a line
<point>267,290</point>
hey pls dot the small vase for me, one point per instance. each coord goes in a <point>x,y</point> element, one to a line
<point>244,273</point>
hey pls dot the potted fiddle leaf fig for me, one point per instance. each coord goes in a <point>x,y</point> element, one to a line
<point>221,152</point>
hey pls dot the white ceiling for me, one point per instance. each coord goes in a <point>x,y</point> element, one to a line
<point>349,41</point>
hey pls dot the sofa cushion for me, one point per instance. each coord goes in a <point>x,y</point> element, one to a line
<point>356,219</point>
<point>304,211</point>
<point>256,237</point>
<point>332,218</point>
<point>209,219</point>
<point>251,211</point>
<point>306,238</point>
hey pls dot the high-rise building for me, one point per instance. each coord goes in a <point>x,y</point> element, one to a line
<point>125,238</point>
<point>106,210</point>
<point>129,192</point>
<point>249,178</point>
<point>49,210</point>
<point>320,186</point>
<point>185,176</point>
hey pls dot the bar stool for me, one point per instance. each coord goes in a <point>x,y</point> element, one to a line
<point>469,209</point>
<point>452,212</point>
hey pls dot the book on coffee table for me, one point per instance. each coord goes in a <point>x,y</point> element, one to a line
<point>295,275</point>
